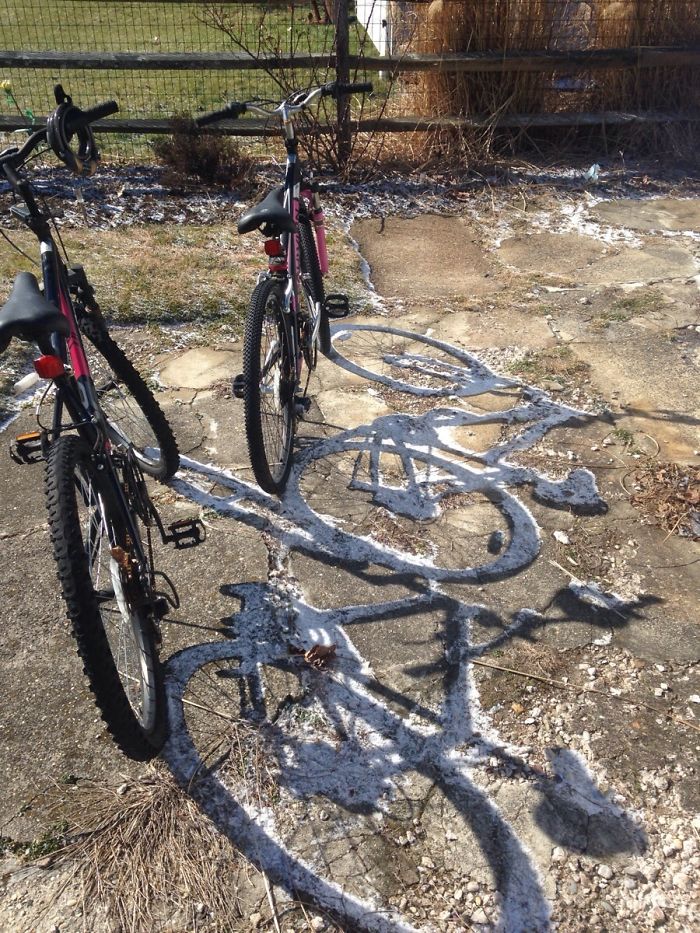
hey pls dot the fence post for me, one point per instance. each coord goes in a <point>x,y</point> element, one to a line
<point>342,73</point>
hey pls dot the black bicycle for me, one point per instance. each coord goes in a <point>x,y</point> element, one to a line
<point>289,312</point>
<point>105,432</point>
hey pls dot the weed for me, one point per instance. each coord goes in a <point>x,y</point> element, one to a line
<point>624,309</point>
<point>556,361</point>
<point>51,841</point>
<point>623,436</point>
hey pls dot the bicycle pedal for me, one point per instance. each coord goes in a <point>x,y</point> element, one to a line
<point>28,448</point>
<point>187,532</point>
<point>302,404</point>
<point>337,306</point>
<point>238,386</point>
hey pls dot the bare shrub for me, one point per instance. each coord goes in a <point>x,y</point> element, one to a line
<point>190,154</point>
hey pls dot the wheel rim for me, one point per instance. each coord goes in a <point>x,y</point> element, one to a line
<point>273,391</point>
<point>122,625</point>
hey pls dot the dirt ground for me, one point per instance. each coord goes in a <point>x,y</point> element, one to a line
<point>494,519</point>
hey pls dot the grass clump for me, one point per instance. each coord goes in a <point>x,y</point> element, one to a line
<point>554,362</point>
<point>624,309</point>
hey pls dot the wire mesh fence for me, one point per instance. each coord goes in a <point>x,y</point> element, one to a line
<point>160,58</point>
<point>199,34</point>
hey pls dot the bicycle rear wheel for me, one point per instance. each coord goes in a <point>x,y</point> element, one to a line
<point>313,279</point>
<point>129,405</point>
<point>105,600</point>
<point>268,378</point>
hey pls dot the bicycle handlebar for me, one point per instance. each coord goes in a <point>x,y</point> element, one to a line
<point>232,111</point>
<point>13,159</point>
<point>84,117</point>
<point>335,89</point>
<point>235,108</point>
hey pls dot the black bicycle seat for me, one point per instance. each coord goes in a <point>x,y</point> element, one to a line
<point>271,213</point>
<point>27,314</point>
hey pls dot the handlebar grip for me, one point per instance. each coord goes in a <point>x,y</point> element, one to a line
<point>336,90</point>
<point>85,117</point>
<point>364,87</point>
<point>231,111</point>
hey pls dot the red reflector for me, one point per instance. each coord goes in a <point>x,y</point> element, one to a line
<point>273,248</point>
<point>49,366</point>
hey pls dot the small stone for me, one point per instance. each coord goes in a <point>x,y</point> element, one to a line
<point>122,789</point>
<point>255,920</point>
<point>605,871</point>
<point>479,916</point>
<point>318,923</point>
<point>472,887</point>
<point>681,881</point>
<point>458,895</point>
<point>657,916</point>
<point>427,862</point>
<point>323,815</point>
<point>558,854</point>
<point>561,537</point>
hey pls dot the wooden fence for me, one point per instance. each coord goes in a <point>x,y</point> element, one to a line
<point>345,64</point>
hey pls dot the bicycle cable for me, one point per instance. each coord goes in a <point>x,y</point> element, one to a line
<point>33,261</point>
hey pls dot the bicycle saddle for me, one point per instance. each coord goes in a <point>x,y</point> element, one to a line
<point>27,314</point>
<point>271,213</point>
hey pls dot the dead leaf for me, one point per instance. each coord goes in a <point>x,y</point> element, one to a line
<point>319,656</point>
<point>517,708</point>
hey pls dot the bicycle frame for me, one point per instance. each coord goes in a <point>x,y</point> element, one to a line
<point>300,195</point>
<point>75,389</point>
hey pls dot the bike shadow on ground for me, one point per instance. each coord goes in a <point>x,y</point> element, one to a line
<point>339,736</point>
<point>324,706</point>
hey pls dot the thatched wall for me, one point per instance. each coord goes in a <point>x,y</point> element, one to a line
<point>506,25</point>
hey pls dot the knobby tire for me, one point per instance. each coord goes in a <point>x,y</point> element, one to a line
<point>310,267</point>
<point>268,380</point>
<point>101,605</point>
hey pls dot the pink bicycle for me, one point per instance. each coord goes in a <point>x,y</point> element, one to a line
<point>289,312</point>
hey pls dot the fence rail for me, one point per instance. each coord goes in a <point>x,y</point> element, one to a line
<point>477,62</point>
<point>521,66</point>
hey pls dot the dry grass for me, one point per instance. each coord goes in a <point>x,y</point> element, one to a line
<point>558,362</point>
<point>158,273</point>
<point>148,857</point>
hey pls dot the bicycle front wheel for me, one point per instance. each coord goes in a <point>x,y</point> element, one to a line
<point>313,279</point>
<point>105,600</point>
<point>129,406</point>
<point>269,379</point>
